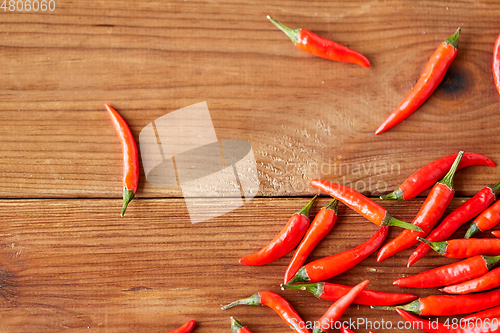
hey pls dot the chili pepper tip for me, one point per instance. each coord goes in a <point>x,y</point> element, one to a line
<point>473,229</point>
<point>127,197</point>
<point>395,195</point>
<point>439,247</point>
<point>235,325</point>
<point>292,34</point>
<point>305,210</point>
<point>398,223</point>
<point>453,39</point>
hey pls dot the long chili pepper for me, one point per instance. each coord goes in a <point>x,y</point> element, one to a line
<point>457,272</point>
<point>496,63</point>
<point>449,305</point>
<point>321,47</point>
<point>186,328</point>
<point>372,211</point>
<point>130,157</point>
<point>337,309</point>
<point>490,313</point>
<point>465,212</point>
<point>465,248</point>
<point>325,268</point>
<point>484,282</point>
<point>333,292</point>
<point>430,78</point>
<point>429,174</point>
<point>238,327</point>
<point>278,304</point>
<point>437,327</point>
<point>431,211</point>
<point>321,225</point>
<point>287,239</point>
<point>485,221</point>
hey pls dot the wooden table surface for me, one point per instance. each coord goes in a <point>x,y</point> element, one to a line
<point>68,262</point>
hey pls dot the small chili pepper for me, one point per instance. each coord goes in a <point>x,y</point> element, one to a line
<point>130,157</point>
<point>490,313</point>
<point>370,210</point>
<point>449,305</point>
<point>431,211</point>
<point>278,304</point>
<point>287,239</point>
<point>337,309</point>
<point>328,267</point>
<point>484,282</point>
<point>186,328</point>
<point>428,175</point>
<point>496,233</point>
<point>321,225</point>
<point>457,272</point>
<point>465,212</point>
<point>345,329</point>
<point>496,63</point>
<point>238,327</point>
<point>437,327</point>
<point>333,292</point>
<point>430,78</point>
<point>321,47</point>
<point>465,248</point>
<point>485,221</point>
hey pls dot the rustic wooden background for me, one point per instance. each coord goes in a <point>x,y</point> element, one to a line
<point>68,262</point>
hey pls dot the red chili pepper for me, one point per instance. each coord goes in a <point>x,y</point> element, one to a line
<point>430,78</point>
<point>186,328</point>
<point>372,211</point>
<point>238,327</point>
<point>484,282</point>
<point>325,268</point>
<point>485,221</point>
<point>431,211</point>
<point>428,175</point>
<point>278,304</point>
<point>287,239</point>
<point>130,157</point>
<point>321,47</point>
<point>344,329</point>
<point>465,248</point>
<point>457,272</point>
<point>490,313</point>
<point>496,233</point>
<point>465,212</point>
<point>321,225</point>
<point>496,63</point>
<point>333,292</point>
<point>337,309</point>
<point>438,327</point>
<point>449,305</point>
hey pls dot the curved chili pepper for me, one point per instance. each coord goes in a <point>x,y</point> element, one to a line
<point>465,212</point>
<point>430,78</point>
<point>429,174</point>
<point>370,210</point>
<point>321,225</point>
<point>325,268</point>
<point>431,211</point>
<point>287,239</point>
<point>490,313</point>
<point>130,157</point>
<point>186,328</point>
<point>496,63</point>
<point>449,305</point>
<point>437,327</point>
<point>337,309</point>
<point>484,282</point>
<point>321,47</point>
<point>485,221</point>
<point>457,272</point>
<point>278,304</point>
<point>465,248</point>
<point>238,327</point>
<point>333,292</point>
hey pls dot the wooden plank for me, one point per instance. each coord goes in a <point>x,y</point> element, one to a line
<point>75,264</point>
<point>300,113</point>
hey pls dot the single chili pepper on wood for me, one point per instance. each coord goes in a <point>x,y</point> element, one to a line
<point>333,292</point>
<point>496,63</point>
<point>321,47</point>
<point>484,282</point>
<point>370,210</point>
<point>238,327</point>
<point>465,212</point>
<point>490,313</point>
<point>278,304</point>
<point>465,248</point>
<point>328,267</point>
<point>485,221</point>
<point>430,78</point>
<point>286,240</point>
<point>321,225</point>
<point>337,309</point>
<point>431,211</point>
<point>186,328</point>
<point>457,272</point>
<point>130,157</point>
